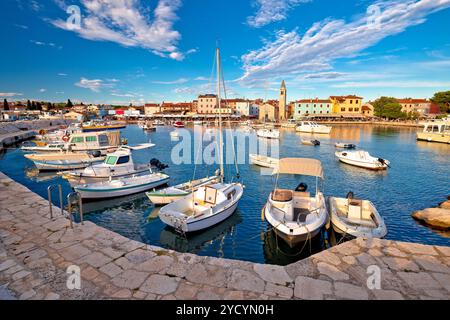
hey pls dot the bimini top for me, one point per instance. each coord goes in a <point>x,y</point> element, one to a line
<point>303,166</point>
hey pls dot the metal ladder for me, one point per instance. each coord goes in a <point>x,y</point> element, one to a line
<point>71,198</point>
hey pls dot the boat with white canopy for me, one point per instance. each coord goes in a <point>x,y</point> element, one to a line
<point>212,203</point>
<point>295,215</point>
<point>362,159</point>
<point>356,218</point>
<point>313,127</point>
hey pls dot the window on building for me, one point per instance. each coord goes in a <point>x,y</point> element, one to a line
<point>357,109</point>
<point>350,109</point>
<point>343,109</point>
<point>356,101</point>
<point>351,101</point>
<point>320,111</point>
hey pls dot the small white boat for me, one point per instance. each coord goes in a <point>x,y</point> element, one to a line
<point>171,194</point>
<point>362,159</point>
<point>357,218</point>
<point>64,161</point>
<point>149,127</point>
<point>313,127</point>
<point>158,123</point>
<point>263,161</point>
<point>311,142</point>
<point>268,133</point>
<point>345,145</point>
<point>295,215</point>
<point>174,134</point>
<point>291,123</point>
<point>51,147</point>
<point>116,164</point>
<point>122,186</point>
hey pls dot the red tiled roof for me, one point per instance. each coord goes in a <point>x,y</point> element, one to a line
<point>342,98</point>
<point>314,100</point>
<point>411,100</point>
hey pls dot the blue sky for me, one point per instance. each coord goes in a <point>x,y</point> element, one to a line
<point>162,50</point>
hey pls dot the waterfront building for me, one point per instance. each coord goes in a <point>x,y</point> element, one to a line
<point>80,108</point>
<point>269,111</point>
<point>306,107</point>
<point>420,106</point>
<point>282,103</point>
<point>151,108</point>
<point>247,108</point>
<point>347,105</point>
<point>72,115</point>
<point>177,107</point>
<point>207,104</point>
<point>367,109</point>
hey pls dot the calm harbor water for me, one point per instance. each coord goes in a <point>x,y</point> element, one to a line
<point>419,178</point>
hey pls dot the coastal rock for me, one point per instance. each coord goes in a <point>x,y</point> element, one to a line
<point>445,204</point>
<point>436,217</point>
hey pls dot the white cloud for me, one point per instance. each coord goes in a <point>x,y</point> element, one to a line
<point>35,6</point>
<point>314,51</point>
<point>21,26</point>
<point>94,85</point>
<point>201,79</point>
<point>271,11</point>
<point>62,74</point>
<point>38,43</point>
<point>9,94</point>
<point>185,90</point>
<point>127,23</point>
<point>126,95</point>
<point>324,75</point>
<point>42,90</point>
<point>177,81</point>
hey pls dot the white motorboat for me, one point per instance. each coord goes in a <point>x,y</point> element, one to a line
<point>174,134</point>
<point>158,123</point>
<point>435,131</point>
<point>170,194</point>
<point>291,123</point>
<point>362,159</point>
<point>56,136</point>
<point>64,160</point>
<point>116,164</point>
<point>310,142</point>
<point>313,127</point>
<point>356,218</point>
<point>268,133</point>
<point>122,186</point>
<point>345,145</point>
<point>210,204</point>
<point>295,215</point>
<point>263,161</point>
<point>149,127</point>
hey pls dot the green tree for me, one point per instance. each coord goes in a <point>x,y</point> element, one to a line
<point>442,99</point>
<point>5,105</point>
<point>388,107</point>
<point>49,106</point>
<point>29,105</point>
<point>69,104</point>
<point>33,105</point>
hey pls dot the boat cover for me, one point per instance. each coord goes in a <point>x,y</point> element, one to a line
<point>301,166</point>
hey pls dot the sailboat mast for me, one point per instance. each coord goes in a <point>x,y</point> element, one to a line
<point>220,115</point>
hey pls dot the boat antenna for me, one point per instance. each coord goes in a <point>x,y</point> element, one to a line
<point>220,114</point>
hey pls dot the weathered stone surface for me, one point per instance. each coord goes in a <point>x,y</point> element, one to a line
<point>111,269</point>
<point>207,274</point>
<point>443,279</point>
<point>350,291</point>
<point>159,284</point>
<point>75,252</point>
<point>400,264</point>
<point>271,273</point>
<point>416,248</point>
<point>139,256</point>
<point>430,263</point>
<point>311,289</point>
<point>280,291</point>
<point>392,251</point>
<point>130,279</point>
<point>438,218</point>
<point>327,257</point>
<point>419,280</point>
<point>244,280</point>
<point>443,250</point>
<point>155,264</point>
<point>331,271</point>
<point>387,295</point>
<point>7,264</point>
<point>445,205</point>
<point>96,259</point>
<point>186,291</point>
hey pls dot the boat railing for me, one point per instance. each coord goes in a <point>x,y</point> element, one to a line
<point>72,198</point>
<point>49,192</point>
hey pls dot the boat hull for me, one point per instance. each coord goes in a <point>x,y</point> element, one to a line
<point>433,137</point>
<point>321,130</point>
<point>90,193</point>
<point>162,199</point>
<point>103,128</point>
<point>294,240</point>
<point>361,164</point>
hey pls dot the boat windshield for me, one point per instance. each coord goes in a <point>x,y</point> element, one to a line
<point>111,160</point>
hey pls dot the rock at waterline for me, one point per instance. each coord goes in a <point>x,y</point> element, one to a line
<point>438,218</point>
<point>445,204</point>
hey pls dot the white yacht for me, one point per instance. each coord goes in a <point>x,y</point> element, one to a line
<point>268,133</point>
<point>435,131</point>
<point>212,203</point>
<point>295,215</point>
<point>263,161</point>
<point>291,123</point>
<point>362,159</point>
<point>313,127</point>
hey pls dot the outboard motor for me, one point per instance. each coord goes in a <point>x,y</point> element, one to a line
<point>302,187</point>
<point>350,195</point>
<point>96,153</point>
<point>381,160</point>
<point>154,162</point>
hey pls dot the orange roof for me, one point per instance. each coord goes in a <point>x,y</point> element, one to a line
<point>342,98</point>
<point>410,100</point>
<point>314,100</point>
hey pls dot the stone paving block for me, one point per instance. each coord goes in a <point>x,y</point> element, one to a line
<point>350,291</point>
<point>311,289</point>
<point>96,259</point>
<point>271,273</point>
<point>111,269</point>
<point>431,263</point>
<point>130,279</point>
<point>160,284</point>
<point>207,274</point>
<point>419,280</point>
<point>331,271</point>
<point>245,280</point>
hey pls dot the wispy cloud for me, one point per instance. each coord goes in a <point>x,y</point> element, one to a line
<point>42,90</point>
<point>128,23</point>
<point>21,26</point>
<point>94,85</point>
<point>177,81</point>
<point>201,79</point>
<point>393,84</point>
<point>314,51</point>
<point>61,74</point>
<point>125,95</point>
<point>271,11</point>
<point>41,43</point>
<point>9,94</point>
<point>324,75</point>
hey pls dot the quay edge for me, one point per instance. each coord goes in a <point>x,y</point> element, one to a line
<point>35,252</point>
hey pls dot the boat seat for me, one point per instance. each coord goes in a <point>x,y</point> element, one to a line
<point>301,194</point>
<point>282,195</point>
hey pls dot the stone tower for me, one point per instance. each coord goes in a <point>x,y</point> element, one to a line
<point>282,104</point>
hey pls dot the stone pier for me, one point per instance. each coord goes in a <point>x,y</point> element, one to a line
<point>35,252</point>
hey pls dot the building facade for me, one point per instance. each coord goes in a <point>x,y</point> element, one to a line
<point>367,109</point>
<point>206,104</point>
<point>151,108</point>
<point>246,108</point>
<point>316,106</point>
<point>269,111</point>
<point>350,104</point>
<point>409,105</point>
